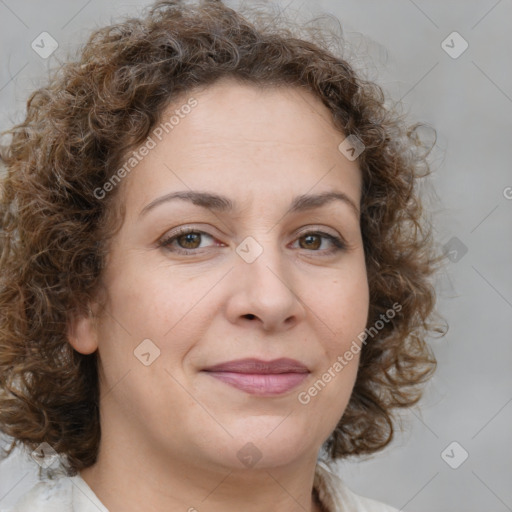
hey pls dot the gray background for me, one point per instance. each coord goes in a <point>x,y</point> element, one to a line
<point>468,100</point>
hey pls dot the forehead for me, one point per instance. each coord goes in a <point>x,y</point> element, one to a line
<point>231,111</point>
<point>240,136</point>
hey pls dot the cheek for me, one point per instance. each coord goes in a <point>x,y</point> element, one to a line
<point>152,303</point>
<point>343,304</point>
<point>149,325</point>
<point>327,395</point>
<point>174,314</point>
<point>343,308</point>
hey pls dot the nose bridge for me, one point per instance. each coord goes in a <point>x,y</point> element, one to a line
<point>263,262</point>
<point>264,282</point>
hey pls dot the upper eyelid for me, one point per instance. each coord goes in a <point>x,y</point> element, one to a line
<point>301,231</point>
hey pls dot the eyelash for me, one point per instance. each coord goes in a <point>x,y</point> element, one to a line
<point>339,243</point>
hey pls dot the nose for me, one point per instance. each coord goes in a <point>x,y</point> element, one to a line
<point>263,292</point>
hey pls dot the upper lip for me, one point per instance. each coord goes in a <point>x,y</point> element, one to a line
<point>252,365</point>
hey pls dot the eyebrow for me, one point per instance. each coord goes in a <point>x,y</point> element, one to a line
<point>220,203</point>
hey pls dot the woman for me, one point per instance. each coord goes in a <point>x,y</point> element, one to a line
<point>215,271</point>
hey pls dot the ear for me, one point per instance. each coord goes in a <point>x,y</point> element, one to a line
<point>82,332</point>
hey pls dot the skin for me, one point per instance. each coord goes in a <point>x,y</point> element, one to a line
<point>171,433</point>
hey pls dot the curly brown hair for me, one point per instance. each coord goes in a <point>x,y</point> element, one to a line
<point>55,232</point>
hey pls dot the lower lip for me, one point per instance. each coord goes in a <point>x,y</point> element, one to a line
<point>261,384</point>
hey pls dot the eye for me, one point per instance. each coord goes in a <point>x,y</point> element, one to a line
<point>188,240</point>
<point>312,240</point>
<point>185,241</point>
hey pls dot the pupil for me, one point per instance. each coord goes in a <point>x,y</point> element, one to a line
<point>189,238</point>
<point>309,238</point>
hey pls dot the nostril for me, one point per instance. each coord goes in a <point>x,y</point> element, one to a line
<point>250,316</point>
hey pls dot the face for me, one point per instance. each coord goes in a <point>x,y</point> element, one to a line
<point>264,272</point>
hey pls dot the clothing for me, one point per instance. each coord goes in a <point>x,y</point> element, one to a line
<point>72,494</point>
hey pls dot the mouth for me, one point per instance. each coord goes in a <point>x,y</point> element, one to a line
<point>257,377</point>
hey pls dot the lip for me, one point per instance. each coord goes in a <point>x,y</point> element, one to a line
<point>253,365</point>
<point>258,377</point>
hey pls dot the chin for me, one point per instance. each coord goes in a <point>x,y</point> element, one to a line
<point>265,442</point>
